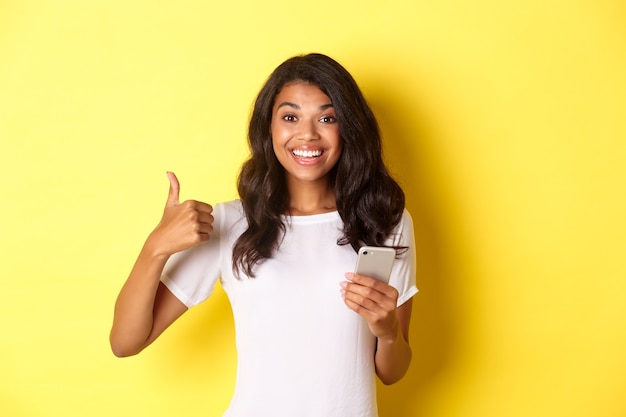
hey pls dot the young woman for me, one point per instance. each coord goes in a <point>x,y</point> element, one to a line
<point>311,335</point>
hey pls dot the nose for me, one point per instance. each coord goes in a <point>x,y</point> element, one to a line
<point>308,131</point>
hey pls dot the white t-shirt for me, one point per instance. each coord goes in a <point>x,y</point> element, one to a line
<point>301,351</point>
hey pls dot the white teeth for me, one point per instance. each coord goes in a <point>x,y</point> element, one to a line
<point>306,154</point>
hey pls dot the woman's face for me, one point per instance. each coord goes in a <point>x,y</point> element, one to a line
<point>305,133</point>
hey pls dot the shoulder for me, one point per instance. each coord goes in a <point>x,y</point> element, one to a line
<point>233,207</point>
<point>406,219</point>
<point>402,234</point>
<point>228,213</point>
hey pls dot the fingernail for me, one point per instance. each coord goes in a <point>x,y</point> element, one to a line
<point>348,275</point>
<point>343,284</point>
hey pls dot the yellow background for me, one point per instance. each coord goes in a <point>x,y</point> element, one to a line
<point>504,121</point>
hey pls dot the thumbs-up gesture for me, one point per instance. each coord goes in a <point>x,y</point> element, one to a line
<point>183,225</point>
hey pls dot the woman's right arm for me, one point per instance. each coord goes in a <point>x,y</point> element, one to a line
<point>145,307</point>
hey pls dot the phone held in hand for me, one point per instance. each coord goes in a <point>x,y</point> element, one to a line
<point>375,262</point>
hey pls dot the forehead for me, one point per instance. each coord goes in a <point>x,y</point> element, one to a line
<point>301,91</point>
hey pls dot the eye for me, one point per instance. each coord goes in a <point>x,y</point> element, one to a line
<point>328,119</point>
<point>289,118</point>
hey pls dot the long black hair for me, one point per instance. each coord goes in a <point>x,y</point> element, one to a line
<point>369,201</point>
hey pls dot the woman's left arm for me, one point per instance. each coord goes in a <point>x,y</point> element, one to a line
<point>376,302</point>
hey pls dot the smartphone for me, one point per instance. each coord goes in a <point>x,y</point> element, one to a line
<point>375,262</point>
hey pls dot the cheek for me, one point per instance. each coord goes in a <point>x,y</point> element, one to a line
<point>339,141</point>
<point>277,133</point>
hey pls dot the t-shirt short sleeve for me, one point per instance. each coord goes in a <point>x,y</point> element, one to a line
<point>191,274</point>
<point>404,269</point>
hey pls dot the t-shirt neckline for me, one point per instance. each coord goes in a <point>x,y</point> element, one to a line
<point>313,218</point>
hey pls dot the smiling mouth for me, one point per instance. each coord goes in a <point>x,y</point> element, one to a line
<point>301,153</point>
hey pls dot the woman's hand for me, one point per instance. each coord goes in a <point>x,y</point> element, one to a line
<point>375,301</point>
<point>182,226</point>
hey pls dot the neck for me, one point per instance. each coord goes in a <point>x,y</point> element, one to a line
<point>311,198</point>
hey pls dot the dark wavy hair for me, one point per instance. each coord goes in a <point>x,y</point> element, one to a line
<point>368,199</point>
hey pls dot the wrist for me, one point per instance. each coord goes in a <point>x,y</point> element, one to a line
<point>154,250</point>
<point>390,338</point>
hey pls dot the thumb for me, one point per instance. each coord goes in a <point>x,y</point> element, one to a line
<point>172,197</point>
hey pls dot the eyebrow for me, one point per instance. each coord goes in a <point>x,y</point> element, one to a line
<point>297,107</point>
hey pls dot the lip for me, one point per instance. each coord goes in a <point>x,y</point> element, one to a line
<point>307,160</point>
